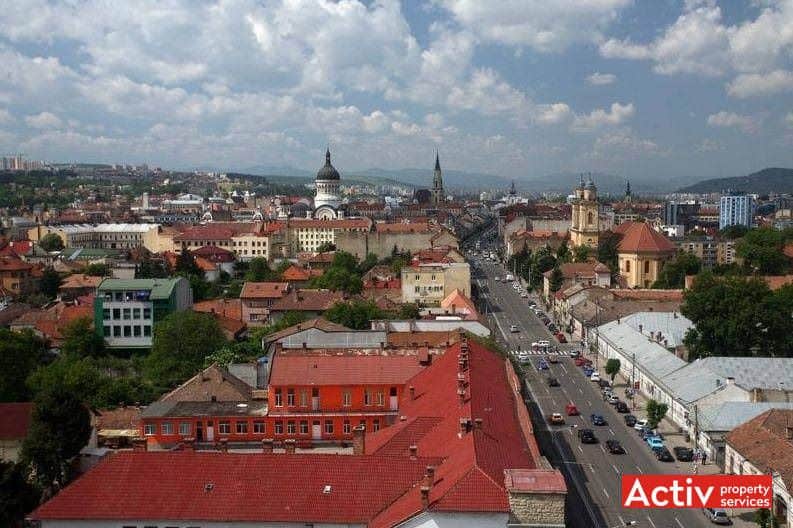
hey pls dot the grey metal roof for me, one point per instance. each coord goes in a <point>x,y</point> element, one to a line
<point>317,338</point>
<point>166,409</point>
<point>754,372</point>
<point>692,382</point>
<point>244,371</point>
<point>651,357</point>
<point>672,325</point>
<point>729,415</point>
<point>475,327</point>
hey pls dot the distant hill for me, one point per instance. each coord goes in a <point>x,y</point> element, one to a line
<point>767,180</point>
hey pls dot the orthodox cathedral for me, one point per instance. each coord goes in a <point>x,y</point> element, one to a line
<point>327,202</point>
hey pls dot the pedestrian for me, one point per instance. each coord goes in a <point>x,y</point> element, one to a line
<point>704,458</point>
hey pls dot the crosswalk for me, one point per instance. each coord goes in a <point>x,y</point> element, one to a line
<point>539,352</point>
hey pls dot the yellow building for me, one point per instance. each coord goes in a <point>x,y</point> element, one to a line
<point>585,223</point>
<point>642,253</point>
<point>429,284</point>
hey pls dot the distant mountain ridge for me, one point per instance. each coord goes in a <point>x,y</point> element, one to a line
<point>774,179</point>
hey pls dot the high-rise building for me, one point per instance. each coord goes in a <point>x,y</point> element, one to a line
<point>681,213</point>
<point>736,209</point>
<point>585,224</point>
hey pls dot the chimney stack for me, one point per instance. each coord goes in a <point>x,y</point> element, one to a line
<point>461,395</point>
<point>477,423</point>
<point>224,445</point>
<point>289,446</point>
<point>140,444</point>
<point>359,440</point>
<point>412,390</point>
<point>429,476</point>
<point>640,328</point>
<point>465,425</point>
<point>267,445</point>
<point>425,497</point>
<point>413,452</point>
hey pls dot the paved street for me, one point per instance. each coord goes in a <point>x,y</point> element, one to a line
<point>593,474</point>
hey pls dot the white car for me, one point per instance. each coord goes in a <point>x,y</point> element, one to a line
<point>594,377</point>
<point>497,279</point>
<point>543,343</point>
<point>640,424</point>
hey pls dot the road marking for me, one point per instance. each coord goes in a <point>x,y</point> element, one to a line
<point>563,368</point>
<point>651,521</point>
<point>579,448</point>
<point>611,431</point>
<point>581,391</point>
<point>602,449</point>
<point>606,493</point>
<point>622,521</point>
<point>679,523</point>
<point>640,469</point>
<point>592,468</point>
<point>617,471</point>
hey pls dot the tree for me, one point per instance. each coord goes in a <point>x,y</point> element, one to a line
<point>356,314</point>
<point>326,246</point>
<point>20,354</point>
<point>655,413</point>
<point>613,367</point>
<point>563,253</point>
<point>607,248</point>
<point>345,260</point>
<point>224,356</point>
<point>59,428</point>
<point>581,253</point>
<point>17,495</point>
<point>765,519</point>
<point>186,265</point>
<point>51,242</point>
<point>151,269</point>
<point>80,339</point>
<point>259,270</point>
<point>50,282</point>
<point>673,275</point>
<point>556,280</point>
<point>762,250</point>
<point>339,279</point>
<point>368,263</point>
<point>181,342</point>
<point>408,311</point>
<point>97,270</point>
<point>734,232</point>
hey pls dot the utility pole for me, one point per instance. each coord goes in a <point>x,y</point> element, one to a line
<point>633,380</point>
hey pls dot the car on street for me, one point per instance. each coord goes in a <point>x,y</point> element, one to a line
<point>664,455</point>
<point>497,279</point>
<point>587,436</point>
<point>655,442</point>
<point>604,384</point>
<point>560,337</point>
<point>588,370</point>
<point>598,419</point>
<point>717,516</point>
<point>683,454</point>
<point>630,420</point>
<point>553,359</point>
<point>621,407</point>
<point>553,382</point>
<point>571,409</point>
<point>580,361</point>
<point>513,328</point>
<point>594,376</point>
<point>556,419</point>
<point>532,304</point>
<point>552,328</point>
<point>640,424</point>
<point>575,354</point>
<point>614,447</point>
<point>542,365</point>
<point>524,294</point>
<point>613,399</point>
<point>543,343</point>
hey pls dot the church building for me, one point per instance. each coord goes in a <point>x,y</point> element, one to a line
<point>438,196</point>
<point>585,225</point>
<point>327,201</point>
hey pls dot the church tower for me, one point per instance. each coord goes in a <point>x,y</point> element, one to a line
<point>438,196</point>
<point>585,224</point>
<point>327,200</point>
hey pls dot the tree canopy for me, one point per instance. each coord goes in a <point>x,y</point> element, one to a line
<point>259,271</point>
<point>80,339</point>
<point>762,250</point>
<point>355,314</point>
<point>50,282</point>
<point>673,275</point>
<point>342,275</point>
<point>655,413</point>
<point>20,354</point>
<point>51,242</point>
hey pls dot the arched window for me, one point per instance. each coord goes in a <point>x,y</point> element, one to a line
<point>628,266</point>
<point>590,218</point>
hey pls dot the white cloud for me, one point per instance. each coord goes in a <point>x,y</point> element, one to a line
<point>538,24</point>
<point>709,145</point>
<point>5,117</point>
<point>758,84</point>
<point>731,119</point>
<point>623,143</point>
<point>789,119</point>
<point>553,113</point>
<point>44,120</point>
<point>616,115</point>
<point>599,79</point>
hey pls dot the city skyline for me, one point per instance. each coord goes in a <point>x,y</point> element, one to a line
<point>641,90</point>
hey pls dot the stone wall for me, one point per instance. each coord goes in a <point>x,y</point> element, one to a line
<point>540,509</point>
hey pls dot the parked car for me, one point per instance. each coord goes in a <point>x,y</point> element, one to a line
<point>664,455</point>
<point>717,516</point>
<point>532,304</point>
<point>543,344</point>
<point>621,407</point>
<point>524,294</point>
<point>575,354</point>
<point>587,436</point>
<point>552,328</point>
<point>655,442</point>
<point>604,384</point>
<point>560,337</point>
<point>513,328</point>
<point>614,447</point>
<point>553,382</point>
<point>556,419</point>
<point>553,359</point>
<point>613,399</point>
<point>580,361</point>
<point>571,409</point>
<point>630,420</point>
<point>542,365</point>
<point>640,424</point>
<point>683,454</point>
<point>594,376</point>
<point>598,419</point>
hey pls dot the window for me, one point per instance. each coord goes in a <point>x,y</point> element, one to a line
<point>367,397</point>
<point>136,331</point>
<point>647,266</point>
<point>303,427</point>
<point>346,398</point>
<point>375,425</point>
<point>279,427</point>
<point>328,426</point>
<point>127,331</point>
<point>147,313</point>
<point>106,331</point>
<point>116,313</point>
<point>136,313</point>
<point>106,313</point>
<point>119,296</point>
<point>628,266</point>
<point>150,429</point>
<point>147,331</point>
<point>116,331</point>
<point>380,398</point>
<point>278,400</point>
<point>290,397</point>
<point>416,289</point>
<point>126,313</point>
<point>347,428</point>
<point>167,428</point>
<point>242,427</point>
<point>304,398</point>
<point>184,428</point>
<point>224,427</point>
<point>290,427</point>
<point>258,427</point>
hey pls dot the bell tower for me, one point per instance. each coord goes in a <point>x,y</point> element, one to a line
<point>438,196</point>
<point>585,223</point>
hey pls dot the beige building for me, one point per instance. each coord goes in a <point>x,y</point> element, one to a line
<point>308,234</point>
<point>711,251</point>
<point>429,284</point>
<point>641,254</point>
<point>98,236</point>
<point>257,298</point>
<point>585,224</point>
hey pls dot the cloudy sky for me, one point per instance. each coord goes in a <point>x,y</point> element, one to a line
<point>520,88</point>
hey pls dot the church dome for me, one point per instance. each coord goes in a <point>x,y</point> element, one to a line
<point>328,171</point>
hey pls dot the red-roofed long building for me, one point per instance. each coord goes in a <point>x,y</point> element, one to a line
<point>461,454</point>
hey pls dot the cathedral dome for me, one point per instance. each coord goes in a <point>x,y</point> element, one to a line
<point>328,171</point>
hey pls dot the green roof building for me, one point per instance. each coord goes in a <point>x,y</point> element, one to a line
<point>126,310</point>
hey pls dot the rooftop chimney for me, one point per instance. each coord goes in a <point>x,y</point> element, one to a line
<point>465,425</point>
<point>412,390</point>
<point>640,328</point>
<point>414,449</point>
<point>429,476</point>
<point>425,497</point>
<point>140,444</point>
<point>289,446</point>
<point>359,440</point>
<point>461,394</point>
<point>267,445</point>
<point>477,423</point>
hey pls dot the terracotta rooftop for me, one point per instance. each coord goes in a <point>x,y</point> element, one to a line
<point>15,420</point>
<point>307,300</point>
<point>317,322</point>
<point>229,308</point>
<point>79,281</point>
<point>264,290</point>
<point>639,237</point>
<point>295,273</point>
<point>343,370</point>
<point>766,443</point>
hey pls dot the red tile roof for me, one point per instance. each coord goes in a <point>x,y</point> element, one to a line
<point>214,254</point>
<point>639,237</point>
<point>343,370</point>
<point>15,420</point>
<point>235,487</point>
<point>229,308</point>
<point>307,300</point>
<point>14,264</point>
<point>264,290</point>
<point>765,443</point>
<point>80,281</point>
<point>295,273</point>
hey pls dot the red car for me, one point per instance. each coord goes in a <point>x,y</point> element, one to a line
<point>560,337</point>
<point>571,409</point>
<point>581,362</point>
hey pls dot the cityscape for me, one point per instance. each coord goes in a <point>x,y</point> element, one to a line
<point>505,313</point>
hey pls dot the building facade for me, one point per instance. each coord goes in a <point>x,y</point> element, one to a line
<point>642,253</point>
<point>98,236</point>
<point>126,310</point>
<point>327,200</point>
<point>585,224</point>
<point>736,209</point>
<point>429,284</point>
<point>438,195</point>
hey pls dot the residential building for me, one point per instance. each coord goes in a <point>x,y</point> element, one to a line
<point>308,234</point>
<point>585,273</point>
<point>429,284</point>
<point>16,276</point>
<point>736,209</point>
<point>641,253</point>
<point>764,445</point>
<point>311,303</point>
<point>710,251</point>
<point>77,285</point>
<point>126,310</point>
<point>99,236</point>
<point>14,424</point>
<point>523,240</point>
<point>585,223</point>
<point>681,213</point>
<point>258,297</point>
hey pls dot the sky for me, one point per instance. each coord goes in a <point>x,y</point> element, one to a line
<point>644,89</point>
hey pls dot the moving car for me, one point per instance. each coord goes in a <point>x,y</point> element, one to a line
<point>597,419</point>
<point>664,455</point>
<point>683,454</point>
<point>513,328</point>
<point>587,436</point>
<point>655,442</point>
<point>630,420</point>
<point>614,447</point>
<point>556,419</point>
<point>594,376</point>
<point>571,409</point>
<point>542,365</point>
<point>621,407</point>
<point>553,382</point>
<point>717,516</point>
<point>640,424</point>
<point>544,343</point>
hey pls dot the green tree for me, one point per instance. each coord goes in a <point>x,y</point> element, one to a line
<point>556,280</point>
<point>50,282</point>
<point>762,250</point>
<point>607,248</point>
<point>368,263</point>
<point>80,339</point>
<point>151,269</point>
<point>78,376</point>
<point>339,279</point>
<point>186,265</point>
<point>59,428</point>
<point>563,253</point>
<point>765,519</point>
<point>259,271</point>
<point>326,246</point>
<point>356,314</point>
<point>734,232</point>
<point>225,356</point>
<point>581,253</point>
<point>346,261</point>
<point>51,242</point>
<point>20,354</point>
<point>673,275</point>
<point>613,367</point>
<point>97,270</point>
<point>408,311</point>
<point>181,342</point>
<point>17,495</point>
<point>655,413</point>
